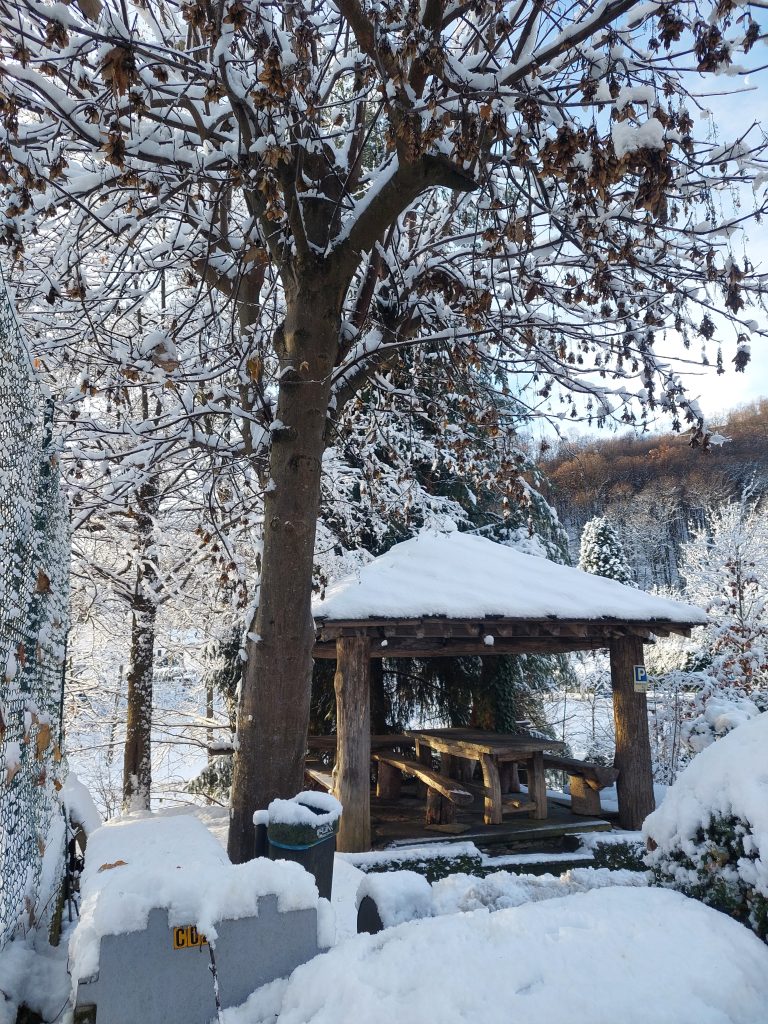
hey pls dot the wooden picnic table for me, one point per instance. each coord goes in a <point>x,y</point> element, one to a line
<point>493,751</point>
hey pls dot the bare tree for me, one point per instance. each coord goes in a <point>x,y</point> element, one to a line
<point>512,183</point>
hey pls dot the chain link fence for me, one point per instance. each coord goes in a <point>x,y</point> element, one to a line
<point>34,562</point>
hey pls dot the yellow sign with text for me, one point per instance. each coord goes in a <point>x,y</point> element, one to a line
<point>188,937</point>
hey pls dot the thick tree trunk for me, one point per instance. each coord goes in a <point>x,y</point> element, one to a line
<point>274,708</point>
<point>633,745</point>
<point>137,759</point>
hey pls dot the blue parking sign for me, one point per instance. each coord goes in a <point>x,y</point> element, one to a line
<point>641,679</point>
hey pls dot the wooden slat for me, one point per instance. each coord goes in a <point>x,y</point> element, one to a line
<point>324,779</point>
<point>471,744</point>
<point>381,742</point>
<point>600,776</point>
<point>554,629</point>
<point>446,787</point>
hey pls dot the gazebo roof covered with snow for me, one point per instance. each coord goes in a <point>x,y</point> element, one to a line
<point>458,594</point>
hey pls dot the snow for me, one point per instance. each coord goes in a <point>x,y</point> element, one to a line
<point>627,138</point>
<point>460,575</point>
<point>79,804</point>
<point>721,713</point>
<point>615,954</point>
<point>136,864</point>
<point>35,978</point>
<point>298,810</point>
<point>730,777</point>
<point>407,896</point>
<point>379,858</point>
<point>399,896</point>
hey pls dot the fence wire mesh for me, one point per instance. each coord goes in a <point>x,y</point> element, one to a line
<point>34,558</point>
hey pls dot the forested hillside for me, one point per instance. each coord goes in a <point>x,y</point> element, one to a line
<point>656,489</point>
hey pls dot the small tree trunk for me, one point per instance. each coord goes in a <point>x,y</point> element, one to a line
<point>273,715</point>
<point>633,746</point>
<point>137,761</point>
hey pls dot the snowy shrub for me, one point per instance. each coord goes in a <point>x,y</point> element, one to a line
<point>715,713</point>
<point>709,838</point>
<point>433,868</point>
<point>623,856</point>
<point>433,863</point>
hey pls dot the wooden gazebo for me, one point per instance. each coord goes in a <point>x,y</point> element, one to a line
<point>455,594</point>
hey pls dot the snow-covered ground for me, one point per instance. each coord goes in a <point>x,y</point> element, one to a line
<point>598,957</point>
<point>591,946</point>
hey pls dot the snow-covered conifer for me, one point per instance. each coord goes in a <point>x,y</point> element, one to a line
<point>601,552</point>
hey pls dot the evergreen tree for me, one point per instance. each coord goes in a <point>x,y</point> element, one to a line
<point>602,554</point>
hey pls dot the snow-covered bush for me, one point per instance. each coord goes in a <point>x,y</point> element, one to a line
<point>709,838</point>
<point>434,862</point>
<point>715,712</point>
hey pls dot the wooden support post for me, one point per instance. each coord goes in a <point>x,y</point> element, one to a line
<point>423,756</point>
<point>449,766</point>
<point>492,809</point>
<point>353,742</point>
<point>633,746</point>
<point>584,799</point>
<point>537,785</point>
<point>388,783</point>
<point>439,810</point>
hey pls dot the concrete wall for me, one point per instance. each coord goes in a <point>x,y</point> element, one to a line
<point>142,979</point>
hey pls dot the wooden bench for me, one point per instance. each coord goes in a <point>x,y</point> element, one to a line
<point>585,781</point>
<point>319,779</point>
<point>443,794</point>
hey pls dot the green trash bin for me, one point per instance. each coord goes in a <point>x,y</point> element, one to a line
<point>304,830</point>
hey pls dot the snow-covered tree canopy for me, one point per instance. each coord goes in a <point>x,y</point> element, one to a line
<point>505,179</point>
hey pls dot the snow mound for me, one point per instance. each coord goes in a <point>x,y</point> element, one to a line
<point>136,864</point>
<point>629,955</point>
<point>460,575</point>
<point>407,896</point>
<point>728,778</point>
<point>399,896</point>
<point>710,836</point>
<point>79,804</point>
